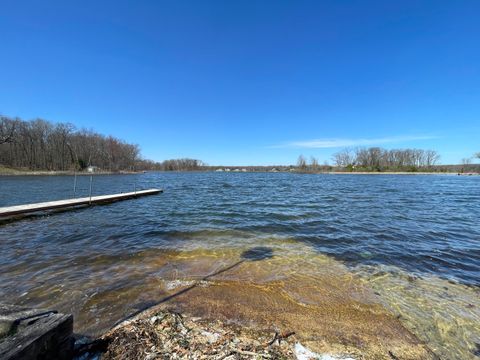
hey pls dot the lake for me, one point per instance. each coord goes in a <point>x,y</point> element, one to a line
<point>412,241</point>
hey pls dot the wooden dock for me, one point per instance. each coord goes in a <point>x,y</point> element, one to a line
<point>35,334</point>
<point>68,203</point>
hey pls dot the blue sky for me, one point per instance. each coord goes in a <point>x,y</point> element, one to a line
<point>249,82</point>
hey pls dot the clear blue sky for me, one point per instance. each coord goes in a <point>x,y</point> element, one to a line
<point>249,82</point>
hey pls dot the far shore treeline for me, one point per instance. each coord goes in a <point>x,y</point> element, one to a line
<point>378,159</point>
<point>40,145</point>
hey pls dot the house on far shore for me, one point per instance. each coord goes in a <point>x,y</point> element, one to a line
<point>92,169</point>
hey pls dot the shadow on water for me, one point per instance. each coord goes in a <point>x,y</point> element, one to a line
<point>257,253</point>
<point>41,214</point>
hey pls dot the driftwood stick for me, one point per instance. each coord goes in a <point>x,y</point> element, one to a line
<point>250,353</point>
<point>280,337</point>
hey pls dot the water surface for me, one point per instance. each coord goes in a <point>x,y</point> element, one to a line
<point>413,240</point>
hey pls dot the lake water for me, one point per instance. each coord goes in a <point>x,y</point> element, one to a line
<point>414,241</point>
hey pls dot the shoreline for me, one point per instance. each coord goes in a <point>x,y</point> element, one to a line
<point>16,172</point>
<point>337,315</point>
<point>400,173</point>
<point>165,331</point>
<point>323,307</point>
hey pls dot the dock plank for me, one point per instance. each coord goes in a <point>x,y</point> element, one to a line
<point>35,334</point>
<point>59,204</point>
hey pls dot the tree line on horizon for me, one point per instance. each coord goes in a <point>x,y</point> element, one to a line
<point>379,159</point>
<point>43,145</point>
<point>183,164</point>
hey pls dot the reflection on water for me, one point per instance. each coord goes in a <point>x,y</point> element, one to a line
<point>319,254</point>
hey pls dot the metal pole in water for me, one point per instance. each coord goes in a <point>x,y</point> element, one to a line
<point>75,184</point>
<point>90,201</point>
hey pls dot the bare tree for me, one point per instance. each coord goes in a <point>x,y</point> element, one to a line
<point>344,158</point>
<point>431,158</point>
<point>314,164</point>
<point>302,162</point>
<point>7,130</point>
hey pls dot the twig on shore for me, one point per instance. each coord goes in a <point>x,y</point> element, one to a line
<point>250,353</point>
<point>280,337</point>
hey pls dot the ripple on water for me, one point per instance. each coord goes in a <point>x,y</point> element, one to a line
<point>105,262</point>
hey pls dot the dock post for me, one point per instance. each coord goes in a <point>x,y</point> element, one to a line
<point>91,179</point>
<point>75,185</point>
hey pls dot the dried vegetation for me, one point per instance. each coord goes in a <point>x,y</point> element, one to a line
<point>170,335</point>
